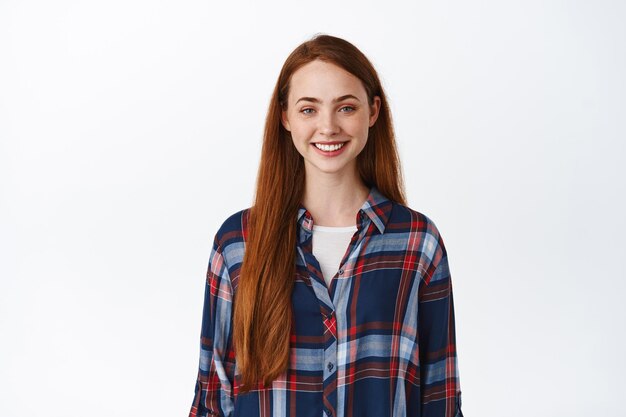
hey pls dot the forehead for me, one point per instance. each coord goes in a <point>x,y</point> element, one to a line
<point>325,81</point>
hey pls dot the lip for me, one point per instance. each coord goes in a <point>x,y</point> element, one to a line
<point>330,143</point>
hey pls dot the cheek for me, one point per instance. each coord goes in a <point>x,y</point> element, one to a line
<point>361,126</point>
<point>300,131</point>
<point>299,138</point>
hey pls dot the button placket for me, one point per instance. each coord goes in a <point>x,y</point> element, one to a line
<point>330,358</point>
<point>330,324</point>
<point>330,366</point>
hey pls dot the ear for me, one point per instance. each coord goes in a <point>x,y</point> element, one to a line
<point>374,109</point>
<point>284,120</point>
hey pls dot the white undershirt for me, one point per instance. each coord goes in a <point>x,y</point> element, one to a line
<point>329,245</point>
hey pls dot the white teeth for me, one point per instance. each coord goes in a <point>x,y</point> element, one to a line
<point>328,148</point>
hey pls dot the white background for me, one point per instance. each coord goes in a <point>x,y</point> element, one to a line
<point>129,130</point>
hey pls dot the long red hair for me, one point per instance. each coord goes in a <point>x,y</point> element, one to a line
<point>262,317</point>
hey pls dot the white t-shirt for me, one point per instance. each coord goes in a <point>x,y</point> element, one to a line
<point>329,245</point>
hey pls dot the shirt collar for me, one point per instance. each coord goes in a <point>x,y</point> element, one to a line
<point>376,207</point>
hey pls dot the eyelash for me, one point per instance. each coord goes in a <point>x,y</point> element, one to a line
<point>352,108</point>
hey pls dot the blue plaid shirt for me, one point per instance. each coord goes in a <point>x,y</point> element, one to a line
<point>380,341</point>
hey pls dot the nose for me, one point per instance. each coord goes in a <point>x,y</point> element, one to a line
<point>328,124</point>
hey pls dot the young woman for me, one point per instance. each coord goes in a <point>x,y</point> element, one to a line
<point>329,297</point>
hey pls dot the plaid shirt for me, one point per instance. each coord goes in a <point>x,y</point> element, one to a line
<point>379,342</point>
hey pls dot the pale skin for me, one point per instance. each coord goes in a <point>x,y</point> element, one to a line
<point>328,104</point>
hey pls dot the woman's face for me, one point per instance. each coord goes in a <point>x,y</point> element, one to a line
<point>327,108</point>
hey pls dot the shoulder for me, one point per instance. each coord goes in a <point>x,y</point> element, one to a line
<point>232,227</point>
<point>414,221</point>
<point>230,236</point>
<point>421,229</point>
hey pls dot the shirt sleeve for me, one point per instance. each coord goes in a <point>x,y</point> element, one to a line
<point>213,391</point>
<point>439,376</point>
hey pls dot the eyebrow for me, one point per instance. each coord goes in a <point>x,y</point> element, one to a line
<point>316,100</point>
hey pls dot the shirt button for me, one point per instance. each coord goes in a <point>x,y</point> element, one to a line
<point>330,366</point>
<point>341,271</point>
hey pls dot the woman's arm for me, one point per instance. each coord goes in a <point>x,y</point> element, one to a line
<point>439,376</point>
<point>213,393</point>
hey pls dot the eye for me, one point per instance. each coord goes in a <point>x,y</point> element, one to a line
<point>350,109</point>
<point>305,111</point>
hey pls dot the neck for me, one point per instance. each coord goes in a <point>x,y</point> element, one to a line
<point>334,200</point>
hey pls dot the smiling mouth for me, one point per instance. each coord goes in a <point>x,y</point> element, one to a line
<point>329,147</point>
